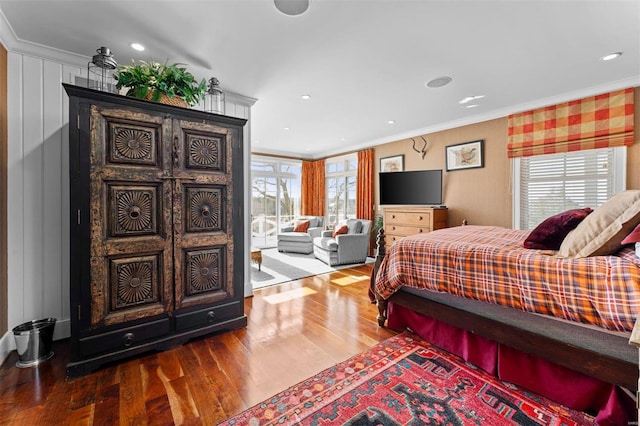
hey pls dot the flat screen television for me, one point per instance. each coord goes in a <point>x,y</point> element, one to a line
<point>414,187</point>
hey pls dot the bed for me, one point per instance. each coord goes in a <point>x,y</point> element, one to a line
<point>519,313</point>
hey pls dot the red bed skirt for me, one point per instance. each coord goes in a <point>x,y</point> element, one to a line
<point>610,404</point>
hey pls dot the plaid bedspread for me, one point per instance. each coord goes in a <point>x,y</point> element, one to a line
<point>490,264</point>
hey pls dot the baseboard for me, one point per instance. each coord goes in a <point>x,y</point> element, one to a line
<point>8,343</point>
<point>63,329</point>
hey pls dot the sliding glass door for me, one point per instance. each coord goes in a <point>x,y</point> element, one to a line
<point>340,175</point>
<point>275,200</point>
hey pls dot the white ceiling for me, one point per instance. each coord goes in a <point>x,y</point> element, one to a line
<point>363,62</point>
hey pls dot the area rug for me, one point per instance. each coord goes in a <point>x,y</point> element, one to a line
<point>279,267</point>
<point>406,381</point>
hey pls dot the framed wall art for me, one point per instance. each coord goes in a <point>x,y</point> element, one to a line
<point>466,155</point>
<point>392,164</point>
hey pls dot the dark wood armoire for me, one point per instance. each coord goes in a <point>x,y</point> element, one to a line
<point>156,206</point>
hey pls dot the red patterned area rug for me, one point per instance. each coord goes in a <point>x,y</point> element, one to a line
<point>406,381</point>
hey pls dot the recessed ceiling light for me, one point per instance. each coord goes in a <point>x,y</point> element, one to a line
<point>287,128</point>
<point>292,7</point>
<point>439,82</point>
<point>305,97</point>
<point>137,46</point>
<point>611,56</point>
<point>470,98</point>
<point>391,122</point>
<point>471,106</point>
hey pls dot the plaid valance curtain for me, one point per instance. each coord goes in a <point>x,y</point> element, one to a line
<point>595,122</point>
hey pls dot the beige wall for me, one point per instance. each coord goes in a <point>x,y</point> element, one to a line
<point>482,196</point>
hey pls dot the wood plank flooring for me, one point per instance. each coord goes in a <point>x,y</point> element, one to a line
<point>295,330</point>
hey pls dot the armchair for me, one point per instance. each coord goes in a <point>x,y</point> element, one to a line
<point>352,247</point>
<point>300,242</point>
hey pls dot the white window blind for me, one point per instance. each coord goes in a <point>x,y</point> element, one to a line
<point>550,184</point>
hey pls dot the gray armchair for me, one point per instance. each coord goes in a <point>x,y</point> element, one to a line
<point>315,225</point>
<point>300,242</point>
<point>352,247</point>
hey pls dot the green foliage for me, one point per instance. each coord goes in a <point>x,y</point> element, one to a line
<point>171,79</point>
<point>377,225</point>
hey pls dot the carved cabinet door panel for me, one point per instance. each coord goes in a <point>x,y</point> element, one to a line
<point>130,208</point>
<point>202,217</point>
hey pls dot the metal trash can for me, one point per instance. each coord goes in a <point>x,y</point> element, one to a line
<point>33,341</point>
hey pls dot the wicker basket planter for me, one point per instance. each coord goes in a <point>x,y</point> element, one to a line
<point>143,79</point>
<point>164,99</point>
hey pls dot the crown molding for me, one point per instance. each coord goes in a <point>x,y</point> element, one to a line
<point>494,114</point>
<point>239,99</point>
<point>14,44</point>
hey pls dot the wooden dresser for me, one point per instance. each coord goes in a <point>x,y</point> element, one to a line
<point>400,222</point>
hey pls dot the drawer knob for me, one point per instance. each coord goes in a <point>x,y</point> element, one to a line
<point>128,339</point>
<point>393,227</point>
<point>211,315</point>
<point>420,230</point>
<point>419,217</point>
<point>393,216</point>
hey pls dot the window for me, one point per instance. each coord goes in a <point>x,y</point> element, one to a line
<point>275,197</point>
<point>548,184</point>
<point>340,174</point>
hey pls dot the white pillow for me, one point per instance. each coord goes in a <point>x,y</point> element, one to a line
<point>601,233</point>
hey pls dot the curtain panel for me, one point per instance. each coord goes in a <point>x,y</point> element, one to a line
<point>364,185</point>
<point>313,188</point>
<point>600,121</point>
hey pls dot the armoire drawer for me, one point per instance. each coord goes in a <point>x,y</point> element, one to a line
<point>204,317</point>
<point>124,337</point>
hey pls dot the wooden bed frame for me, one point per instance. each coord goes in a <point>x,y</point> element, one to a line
<point>589,350</point>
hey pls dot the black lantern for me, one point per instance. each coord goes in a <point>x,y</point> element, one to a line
<point>100,70</point>
<point>214,98</point>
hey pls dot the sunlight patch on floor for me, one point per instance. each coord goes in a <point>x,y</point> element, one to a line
<point>348,280</point>
<point>286,296</point>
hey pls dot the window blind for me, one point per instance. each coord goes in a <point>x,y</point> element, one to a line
<point>550,184</point>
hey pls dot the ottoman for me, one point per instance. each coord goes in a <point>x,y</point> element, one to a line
<point>295,242</point>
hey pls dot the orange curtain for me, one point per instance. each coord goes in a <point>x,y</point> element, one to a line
<point>595,122</point>
<point>364,186</point>
<point>313,188</point>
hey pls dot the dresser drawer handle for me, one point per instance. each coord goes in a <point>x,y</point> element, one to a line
<point>393,228</point>
<point>211,315</point>
<point>128,339</point>
<point>420,230</point>
<point>420,217</point>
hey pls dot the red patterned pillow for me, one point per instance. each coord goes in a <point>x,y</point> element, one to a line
<point>551,232</point>
<point>633,237</point>
<point>340,230</point>
<point>301,226</point>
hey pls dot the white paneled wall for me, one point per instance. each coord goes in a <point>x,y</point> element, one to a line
<point>38,190</point>
<point>38,194</point>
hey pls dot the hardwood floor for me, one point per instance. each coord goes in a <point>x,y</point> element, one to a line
<point>295,330</point>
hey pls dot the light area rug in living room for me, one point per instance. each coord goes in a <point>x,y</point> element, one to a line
<point>282,267</point>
